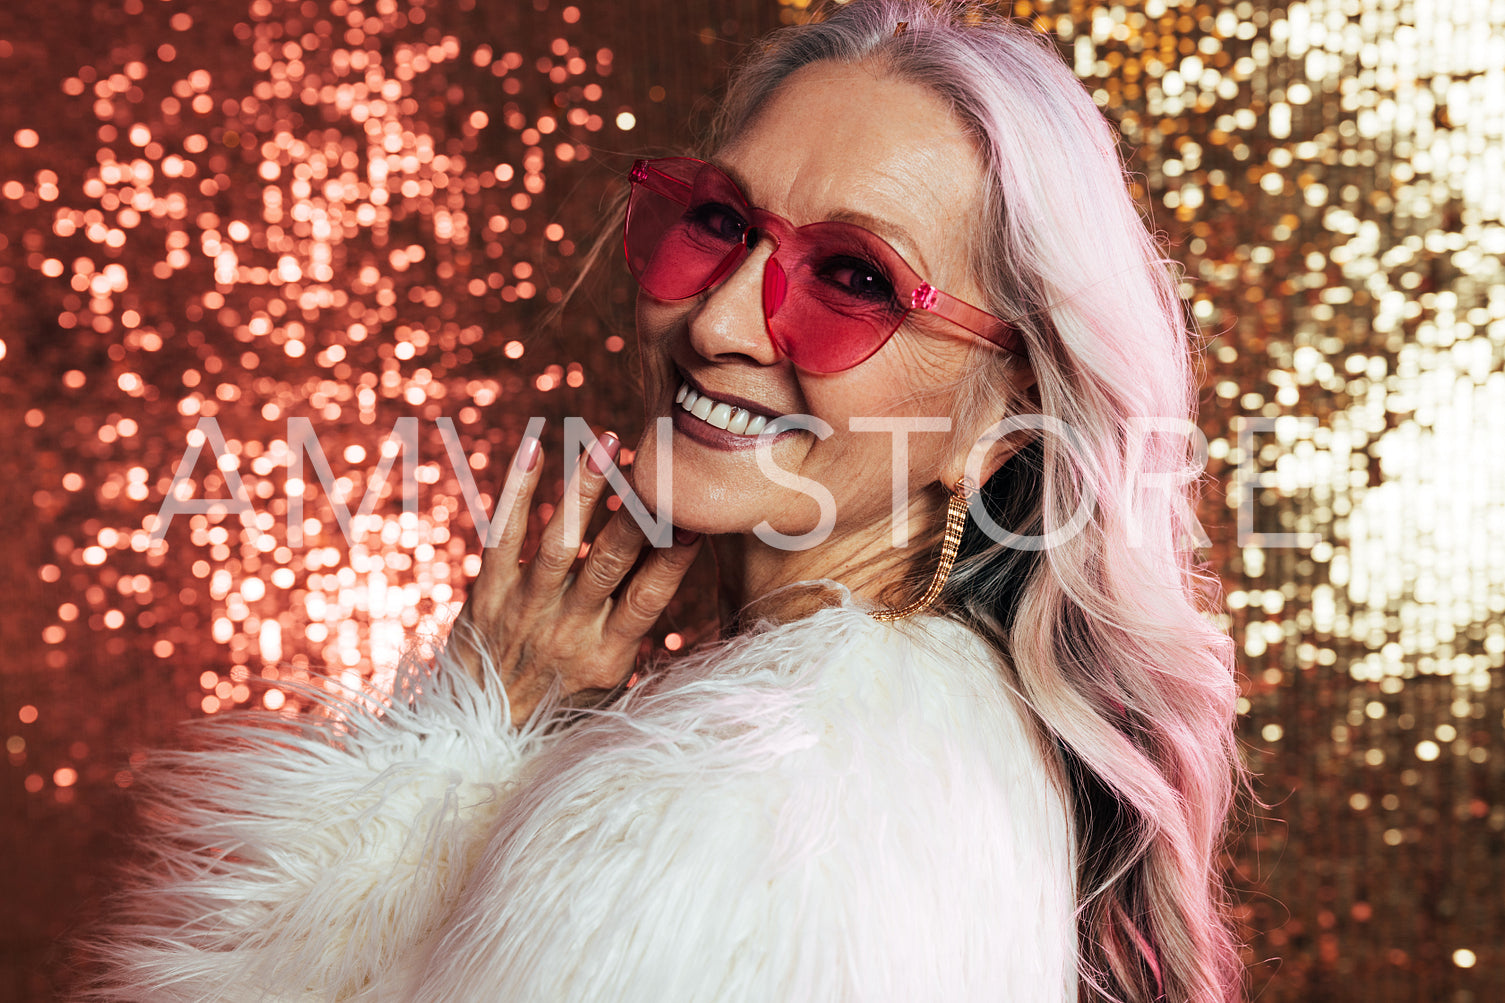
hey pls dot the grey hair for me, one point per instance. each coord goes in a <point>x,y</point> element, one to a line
<point>1107,633</point>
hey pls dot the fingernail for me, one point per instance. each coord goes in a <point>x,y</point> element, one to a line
<point>527,454</point>
<point>603,451</point>
<point>685,537</point>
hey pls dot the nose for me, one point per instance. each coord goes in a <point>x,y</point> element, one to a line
<point>730,322</point>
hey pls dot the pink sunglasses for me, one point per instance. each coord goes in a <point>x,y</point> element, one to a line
<point>833,293</point>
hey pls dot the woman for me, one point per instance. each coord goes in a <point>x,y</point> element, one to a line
<point>995,765</point>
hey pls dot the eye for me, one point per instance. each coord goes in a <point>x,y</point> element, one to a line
<point>717,221</point>
<point>858,278</point>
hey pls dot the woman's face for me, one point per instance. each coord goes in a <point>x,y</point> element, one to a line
<point>836,142</point>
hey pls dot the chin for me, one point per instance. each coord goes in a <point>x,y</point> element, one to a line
<point>685,495</point>
<point>696,503</point>
<point>717,491</point>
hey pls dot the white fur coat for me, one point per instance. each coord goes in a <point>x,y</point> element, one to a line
<point>832,809</point>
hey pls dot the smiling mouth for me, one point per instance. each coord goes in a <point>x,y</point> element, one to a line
<point>719,414</point>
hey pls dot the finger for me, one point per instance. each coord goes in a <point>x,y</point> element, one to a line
<point>560,543</point>
<point>509,520</point>
<point>612,554</point>
<point>509,525</point>
<point>652,586</point>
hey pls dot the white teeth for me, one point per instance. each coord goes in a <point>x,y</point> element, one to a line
<point>718,413</point>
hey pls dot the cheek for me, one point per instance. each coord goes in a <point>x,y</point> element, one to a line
<point>653,327</point>
<point>889,388</point>
<point>644,470</point>
<point>657,320</point>
<point>896,382</point>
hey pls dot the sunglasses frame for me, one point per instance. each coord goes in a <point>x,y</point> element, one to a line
<point>651,175</point>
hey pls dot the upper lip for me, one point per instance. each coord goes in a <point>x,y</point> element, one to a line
<point>750,406</point>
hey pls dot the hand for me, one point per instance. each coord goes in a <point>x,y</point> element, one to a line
<point>539,623</point>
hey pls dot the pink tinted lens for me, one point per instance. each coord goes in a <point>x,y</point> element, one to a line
<point>832,294</point>
<point>843,295</point>
<point>685,222</point>
<point>843,301</point>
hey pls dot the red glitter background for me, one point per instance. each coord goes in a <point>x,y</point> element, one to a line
<point>360,211</point>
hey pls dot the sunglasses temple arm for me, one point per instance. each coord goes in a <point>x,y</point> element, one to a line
<point>984,325</point>
<point>645,174</point>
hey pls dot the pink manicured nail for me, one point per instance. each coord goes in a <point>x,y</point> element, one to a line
<point>685,537</point>
<point>527,454</point>
<point>602,452</point>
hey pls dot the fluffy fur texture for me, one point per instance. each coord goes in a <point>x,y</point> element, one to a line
<point>832,809</point>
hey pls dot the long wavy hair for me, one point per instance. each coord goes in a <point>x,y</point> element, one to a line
<point>1106,632</point>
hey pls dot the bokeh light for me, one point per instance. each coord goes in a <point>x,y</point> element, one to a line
<point>225,224</point>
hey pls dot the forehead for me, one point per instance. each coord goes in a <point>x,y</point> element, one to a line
<point>849,141</point>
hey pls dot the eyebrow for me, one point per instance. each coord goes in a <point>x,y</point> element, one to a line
<point>890,231</point>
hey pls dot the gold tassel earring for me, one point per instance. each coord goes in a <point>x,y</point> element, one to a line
<point>956,522</point>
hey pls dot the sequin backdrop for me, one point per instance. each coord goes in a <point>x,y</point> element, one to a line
<point>358,211</point>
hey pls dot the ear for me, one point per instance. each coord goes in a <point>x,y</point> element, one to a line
<point>1024,398</point>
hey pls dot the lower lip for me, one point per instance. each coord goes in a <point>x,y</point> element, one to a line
<point>709,435</point>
